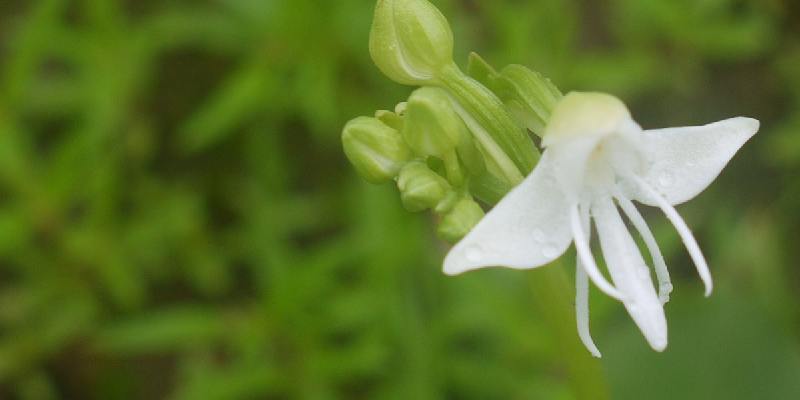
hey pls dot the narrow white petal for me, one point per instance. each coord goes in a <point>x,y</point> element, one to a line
<point>582,296</point>
<point>586,258</point>
<point>684,161</point>
<point>662,274</point>
<point>528,228</point>
<point>683,230</point>
<point>630,273</point>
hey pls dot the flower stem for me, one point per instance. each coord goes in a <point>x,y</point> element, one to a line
<point>551,290</point>
<point>506,143</point>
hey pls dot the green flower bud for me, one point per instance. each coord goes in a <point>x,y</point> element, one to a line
<point>528,95</point>
<point>376,150</point>
<point>421,188</point>
<point>410,41</point>
<point>460,220</point>
<point>432,127</point>
<point>390,119</point>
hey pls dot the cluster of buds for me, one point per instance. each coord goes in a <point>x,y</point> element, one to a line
<point>459,139</point>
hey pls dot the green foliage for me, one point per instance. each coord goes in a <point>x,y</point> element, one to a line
<point>178,220</point>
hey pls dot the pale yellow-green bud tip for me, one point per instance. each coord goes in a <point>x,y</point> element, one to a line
<point>410,41</point>
<point>376,150</point>
<point>460,220</point>
<point>420,187</point>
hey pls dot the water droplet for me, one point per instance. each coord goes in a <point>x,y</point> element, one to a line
<point>474,253</point>
<point>538,235</point>
<point>666,179</point>
<point>549,251</point>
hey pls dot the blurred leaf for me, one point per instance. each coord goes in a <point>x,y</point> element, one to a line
<point>170,329</point>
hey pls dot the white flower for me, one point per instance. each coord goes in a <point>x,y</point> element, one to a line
<point>597,158</point>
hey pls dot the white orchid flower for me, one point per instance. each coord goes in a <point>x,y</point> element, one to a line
<point>597,158</point>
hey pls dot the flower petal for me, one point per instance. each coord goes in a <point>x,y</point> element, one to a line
<point>582,295</point>
<point>662,274</point>
<point>586,258</point>
<point>630,273</point>
<point>685,233</point>
<point>528,228</point>
<point>684,161</point>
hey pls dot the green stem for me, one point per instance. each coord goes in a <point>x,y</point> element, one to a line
<point>554,298</point>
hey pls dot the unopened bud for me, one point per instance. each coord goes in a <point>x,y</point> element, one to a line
<point>391,119</point>
<point>432,127</point>
<point>420,187</point>
<point>410,40</point>
<point>376,150</point>
<point>460,220</point>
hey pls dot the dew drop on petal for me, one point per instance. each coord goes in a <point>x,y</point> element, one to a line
<point>538,235</point>
<point>549,251</point>
<point>474,253</point>
<point>666,179</point>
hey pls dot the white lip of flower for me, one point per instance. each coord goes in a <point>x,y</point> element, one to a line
<point>596,154</point>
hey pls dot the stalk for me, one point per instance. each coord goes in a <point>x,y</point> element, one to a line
<point>552,293</point>
<point>503,140</point>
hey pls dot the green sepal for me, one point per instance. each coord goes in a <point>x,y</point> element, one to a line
<point>480,70</point>
<point>529,96</point>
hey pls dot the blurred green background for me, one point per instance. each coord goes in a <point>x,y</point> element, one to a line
<point>177,219</point>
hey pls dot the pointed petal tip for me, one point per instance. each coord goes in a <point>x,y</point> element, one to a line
<point>452,267</point>
<point>655,332</point>
<point>751,124</point>
<point>461,260</point>
<point>449,272</point>
<point>658,341</point>
<point>708,286</point>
